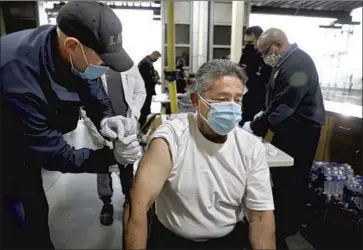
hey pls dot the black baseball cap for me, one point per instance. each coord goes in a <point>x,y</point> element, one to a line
<point>96,26</point>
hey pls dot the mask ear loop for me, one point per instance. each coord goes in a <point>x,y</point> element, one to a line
<point>207,105</point>
<point>84,55</point>
<point>70,59</point>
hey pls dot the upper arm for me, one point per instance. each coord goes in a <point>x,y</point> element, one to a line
<point>153,171</point>
<point>291,89</point>
<point>254,215</point>
<point>258,194</point>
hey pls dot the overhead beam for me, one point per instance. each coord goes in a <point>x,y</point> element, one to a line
<point>300,12</point>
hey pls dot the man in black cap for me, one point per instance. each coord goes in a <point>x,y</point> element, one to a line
<point>258,73</point>
<point>46,75</point>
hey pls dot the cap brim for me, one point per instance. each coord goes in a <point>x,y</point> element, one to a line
<point>119,62</point>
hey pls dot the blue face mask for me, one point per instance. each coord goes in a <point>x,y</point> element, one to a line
<point>223,117</point>
<point>91,72</point>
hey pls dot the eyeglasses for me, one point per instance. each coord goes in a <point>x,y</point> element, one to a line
<point>268,49</point>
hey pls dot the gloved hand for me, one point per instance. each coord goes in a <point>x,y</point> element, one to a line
<point>97,139</point>
<point>247,127</point>
<point>127,150</point>
<point>117,127</point>
<point>258,114</point>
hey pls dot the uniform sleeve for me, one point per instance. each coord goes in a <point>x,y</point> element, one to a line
<point>45,145</point>
<point>258,194</point>
<point>97,103</point>
<point>290,90</point>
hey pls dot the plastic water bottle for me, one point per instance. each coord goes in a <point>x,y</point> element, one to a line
<point>335,182</point>
<point>328,183</point>
<point>319,182</point>
<point>341,182</point>
<point>348,193</point>
<point>359,179</point>
<point>356,199</point>
<point>349,171</point>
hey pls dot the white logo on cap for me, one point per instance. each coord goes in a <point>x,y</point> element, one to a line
<point>112,39</point>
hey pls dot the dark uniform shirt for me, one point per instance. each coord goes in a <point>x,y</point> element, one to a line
<point>293,94</point>
<point>40,101</point>
<point>258,74</point>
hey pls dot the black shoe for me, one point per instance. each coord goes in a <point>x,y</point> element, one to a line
<point>106,217</point>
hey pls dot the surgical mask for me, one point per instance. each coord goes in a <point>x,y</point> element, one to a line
<point>91,72</point>
<point>222,117</point>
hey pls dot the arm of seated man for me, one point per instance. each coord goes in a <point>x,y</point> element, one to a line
<point>259,201</point>
<point>150,177</point>
<point>262,229</point>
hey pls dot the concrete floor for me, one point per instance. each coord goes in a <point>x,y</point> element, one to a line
<point>74,212</point>
<point>75,208</point>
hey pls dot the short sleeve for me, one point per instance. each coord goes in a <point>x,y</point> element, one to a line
<point>167,133</point>
<point>258,194</point>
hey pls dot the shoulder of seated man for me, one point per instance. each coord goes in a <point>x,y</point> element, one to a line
<point>177,126</point>
<point>247,138</point>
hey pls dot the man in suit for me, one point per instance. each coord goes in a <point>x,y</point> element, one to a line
<point>127,93</point>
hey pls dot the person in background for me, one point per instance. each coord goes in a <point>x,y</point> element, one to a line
<point>295,113</point>
<point>203,171</point>
<point>157,77</point>
<point>258,73</point>
<point>46,75</point>
<point>127,94</point>
<point>181,80</point>
<point>147,72</point>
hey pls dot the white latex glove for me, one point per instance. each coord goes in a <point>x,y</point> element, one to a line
<point>127,150</point>
<point>117,127</point>
<point>247,127</point>
<point>258,114</point>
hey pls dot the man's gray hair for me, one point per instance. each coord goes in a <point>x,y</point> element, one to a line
<point>209,72</point>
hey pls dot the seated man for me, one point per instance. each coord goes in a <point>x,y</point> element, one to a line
<point>204,171</point>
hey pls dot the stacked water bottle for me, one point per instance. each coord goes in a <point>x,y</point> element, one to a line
<point>338,184</point>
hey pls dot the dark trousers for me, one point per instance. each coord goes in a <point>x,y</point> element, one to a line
<point>145,110</point>
<point>104,183</point>
<point>34,234</point>
<point>163,238</point>
<point>291,183</point>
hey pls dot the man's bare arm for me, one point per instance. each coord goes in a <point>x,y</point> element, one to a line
<point>150,177</point>
<point>262,229</point>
